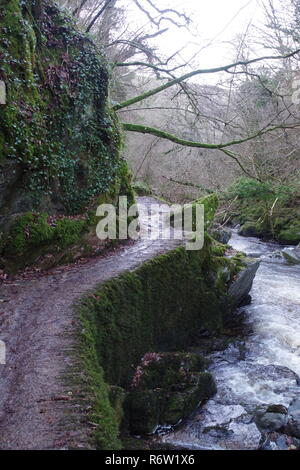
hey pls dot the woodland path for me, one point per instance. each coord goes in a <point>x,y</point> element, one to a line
<point>38,324</point>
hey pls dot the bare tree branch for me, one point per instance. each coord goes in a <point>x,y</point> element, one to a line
<point>189,143</point>
<point>106,4</point>
<point>186,76</point>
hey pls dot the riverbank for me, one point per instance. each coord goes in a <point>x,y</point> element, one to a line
<point>257,375</point>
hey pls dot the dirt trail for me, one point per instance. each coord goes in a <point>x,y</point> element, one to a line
<point>37,323</point>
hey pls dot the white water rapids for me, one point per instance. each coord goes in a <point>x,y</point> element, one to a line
<point>260,369</point>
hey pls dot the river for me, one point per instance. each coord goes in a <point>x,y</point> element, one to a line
<point>257,370</point>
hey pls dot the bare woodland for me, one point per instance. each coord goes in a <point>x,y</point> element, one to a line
<point>243,124</point>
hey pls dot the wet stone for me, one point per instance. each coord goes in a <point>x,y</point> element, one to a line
<point>271,418</point>
<point>293,425</point>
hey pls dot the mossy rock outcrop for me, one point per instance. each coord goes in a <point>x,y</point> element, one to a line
<point>290,235</point>
<point>282,229</point>
<point>167,388</point>
<point>268,210</point>
<point>59,140</point>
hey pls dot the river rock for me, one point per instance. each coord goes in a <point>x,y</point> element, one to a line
<point>217,426</point>
<point>249,229</point>
<point>241,286</point>
<point>250,384</point>
<point>271,417</point>
<point>293,426</point>
<point>291,255</point>
<point>221,234</point>
<point>166,388</point>
<point>275,442</point>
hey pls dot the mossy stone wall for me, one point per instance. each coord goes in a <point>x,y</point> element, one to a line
<point>158,307</point>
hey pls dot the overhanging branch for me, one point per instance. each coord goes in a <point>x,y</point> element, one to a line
<point>186,76</point>
<point>189,143</point>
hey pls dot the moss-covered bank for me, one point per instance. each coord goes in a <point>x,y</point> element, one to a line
<point>266,209</point>
<point>59,140</point>
<point>158,307</point>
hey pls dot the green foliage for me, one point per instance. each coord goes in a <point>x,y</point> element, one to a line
<point>56,125</point>
<point>33,235</point>
<point>251,189</point>
<point>59,140</point>
<point>266,209</point>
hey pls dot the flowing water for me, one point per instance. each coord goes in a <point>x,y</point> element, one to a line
<point>255,371</point>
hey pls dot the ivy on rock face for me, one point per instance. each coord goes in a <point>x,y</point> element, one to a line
<point>56,130</point>
<point>59,140</point>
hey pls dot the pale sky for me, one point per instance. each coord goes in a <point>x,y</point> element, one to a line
<point>215,24</point>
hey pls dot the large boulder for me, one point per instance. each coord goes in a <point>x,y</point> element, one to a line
<point>242,284</point>
<point>255,229</point>
<point>221,234</point>
<point>293,425</point>
<point>59,140</point>
<point>166,388</point>
<point>271,417</point>
<point>290,235</point>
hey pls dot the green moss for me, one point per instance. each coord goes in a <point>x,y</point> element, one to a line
<point>291,234</point>
<point>218,249</point>
<point>210,204</point>
<point>157,307</point>
<point>167,370</point>
<point>57,130</point>
<point>181,405</point>
<point>267,210</point>
<point>68,231</point>
<point>143,408</point>
<point>96,391</point>
<point>29,229</point>
<point>147,304</point>
<point>117,396</point>
<point>252,229</point>
<point>142,188</point>
<point>33,235</point>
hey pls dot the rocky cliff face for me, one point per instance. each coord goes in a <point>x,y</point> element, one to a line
<point>59,141</point>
